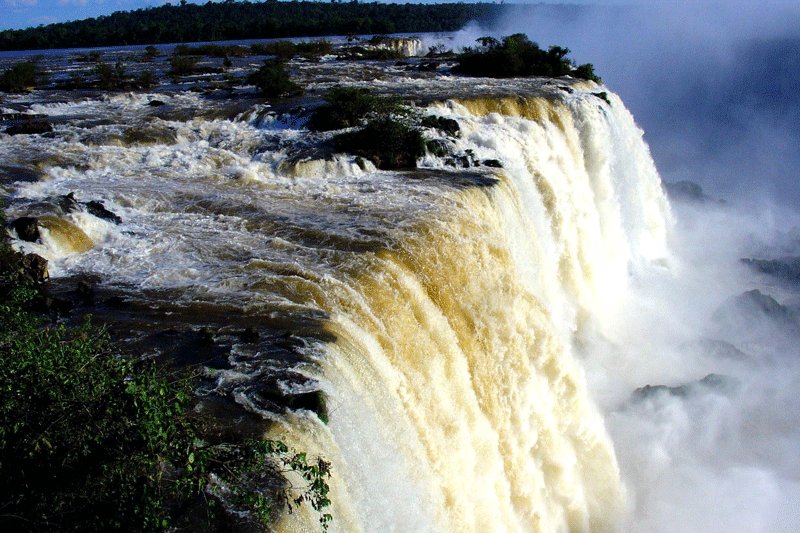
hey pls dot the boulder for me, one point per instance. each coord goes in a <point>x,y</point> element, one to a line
<point>27,228</point>
<point>33,268</point>
<point>97,209</point>
<point>448,126</point>
<point>68,203</point>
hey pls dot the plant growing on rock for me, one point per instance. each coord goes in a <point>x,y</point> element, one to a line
<point>389,143</point>
<point>516,55</point>
<point>273,80</point>
<point>347,107</point>
<point>21,77</point>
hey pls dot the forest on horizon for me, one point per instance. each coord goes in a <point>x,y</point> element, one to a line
<point>232,20</point>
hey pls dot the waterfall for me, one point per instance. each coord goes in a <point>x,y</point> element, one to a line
<point>456,399</point>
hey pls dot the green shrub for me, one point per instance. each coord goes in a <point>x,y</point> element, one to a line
<point>182,65</point>
<point>387,142</point>
<point>146,79</point>
<point>516,55</point>
<point>21,77</point>
<point>347,107</point>
<point>111,78</point>
<point>91,440</point>
<point>150,53</point>
<point>288,49</point>
<point>273,80</point>
<point>86,435</point>
<point>280,49</point>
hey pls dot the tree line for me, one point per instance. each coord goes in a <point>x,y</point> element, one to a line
<point>230,20</point>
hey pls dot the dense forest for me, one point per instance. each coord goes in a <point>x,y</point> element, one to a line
<point>245,20</point>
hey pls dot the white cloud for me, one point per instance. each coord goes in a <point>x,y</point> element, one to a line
<point>20,3</point>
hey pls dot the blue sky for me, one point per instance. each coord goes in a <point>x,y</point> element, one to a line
<point>25,13</point>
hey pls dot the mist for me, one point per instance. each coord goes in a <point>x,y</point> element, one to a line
<point>697,374</point>
<point>712,85</point>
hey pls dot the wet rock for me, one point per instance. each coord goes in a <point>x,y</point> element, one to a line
<point>603,96</point>
<point>437,147</point>
<point>85,292</point>
<point>785,268</point>
<point>568,90</point>
<point>688,192</point>
<point>155,103</point>
<point>711,382</point>
<point>494,163</point>
<point>27,228</point>
<point>30,127</point>
<point>68,203</point>
<point>34,268</point>
<point>17,268</point>
<point>448,126</point>
<point>428,66</point>
<point>97,209</point>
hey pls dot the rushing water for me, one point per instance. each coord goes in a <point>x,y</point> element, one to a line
<point>455,311</point>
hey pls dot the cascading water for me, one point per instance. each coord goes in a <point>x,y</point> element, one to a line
<point>457,402</point>
<point>451,300</point>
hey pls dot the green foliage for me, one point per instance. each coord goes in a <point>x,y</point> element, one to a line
<point>146,79</point>
<point>111,78</point>
<point>516,55</point>
<point>21,77</point>
<point>388,142</point>
<point>273,80</point>
<point>347,107</point>
<point>245,483</point>
<point>288,49</point>
<point>279,49</point>
<point>91,440</point>
<point>85,435</point>
<point>150,53</point>
<point>182,65</point>
<point>586,72</point>
<point>214,21</point>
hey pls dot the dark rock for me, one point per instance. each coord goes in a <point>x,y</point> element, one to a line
<point>68,203</point>
<point>85,292</point>
<point>437,147</point>
<point>155,103</point>
<point>715,382</point>
<point>568,90</point>
<point>249,335</point>
<point>428,66</point>
<point>30,127</point>
<point>33,268</point>
<point>688,192</point>
<point>494,163</point>
<point>603,96</point>
<point>27,228</point>
<point>447,125</point>
<point>785,268</point>
<point>754,315</point>
<point>97,209</point>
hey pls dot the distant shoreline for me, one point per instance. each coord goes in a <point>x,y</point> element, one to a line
<point>176,24</point>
